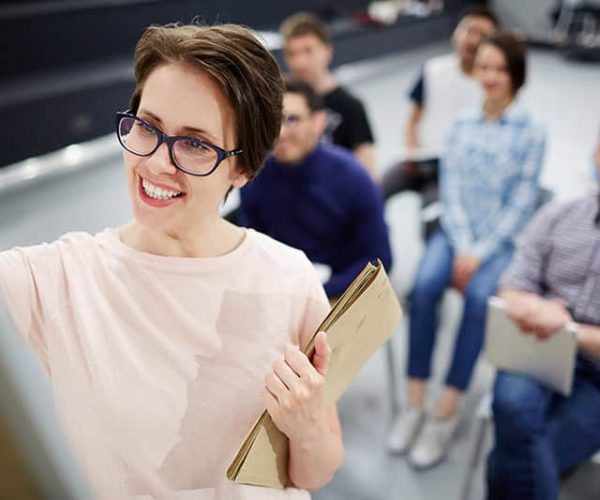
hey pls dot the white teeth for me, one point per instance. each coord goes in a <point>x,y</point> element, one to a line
<point>158,193</point>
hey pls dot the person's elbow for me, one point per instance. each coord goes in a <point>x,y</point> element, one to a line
<point>385,252</point>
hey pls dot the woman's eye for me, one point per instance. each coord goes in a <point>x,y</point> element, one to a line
<point>197,145</point>
<point>145,128</point>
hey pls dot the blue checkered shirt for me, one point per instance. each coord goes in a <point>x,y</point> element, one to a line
<point>489,179</point>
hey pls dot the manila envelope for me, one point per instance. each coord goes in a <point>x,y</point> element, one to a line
<point>363,319</point>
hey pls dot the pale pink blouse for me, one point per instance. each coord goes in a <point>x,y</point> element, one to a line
<point>157,363</point>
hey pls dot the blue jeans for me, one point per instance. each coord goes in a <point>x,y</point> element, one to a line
<point>540,434</point>
<point>433,278</point>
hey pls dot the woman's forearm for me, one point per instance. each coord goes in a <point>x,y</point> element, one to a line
<point>314,461</point>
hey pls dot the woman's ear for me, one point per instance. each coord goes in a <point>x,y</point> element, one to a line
<point>239,179</point>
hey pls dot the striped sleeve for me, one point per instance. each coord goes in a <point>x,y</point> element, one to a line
<point>526,270</point>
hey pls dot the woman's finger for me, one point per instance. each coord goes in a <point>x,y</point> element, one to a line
<point>276,387</point>
<point>298,362</point>
<point>322,354</point>
<point>288,376</point>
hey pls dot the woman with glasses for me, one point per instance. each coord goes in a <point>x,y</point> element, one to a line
<point>489,186</point>
<point>166,338</point>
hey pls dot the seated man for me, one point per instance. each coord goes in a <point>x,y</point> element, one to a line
<point>554,279</point>
<point>316,196</point>
<point>308,53</point>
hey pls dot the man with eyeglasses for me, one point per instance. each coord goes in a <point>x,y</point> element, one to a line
<point>316,196</point>
<point>308,53</point>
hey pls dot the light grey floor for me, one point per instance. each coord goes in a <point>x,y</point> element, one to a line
<point>564,95</point>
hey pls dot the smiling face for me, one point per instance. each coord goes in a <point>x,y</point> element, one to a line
<point>468,35</point>
<point>491,69</point>
<point>300,130</point>
<point>179,100</point>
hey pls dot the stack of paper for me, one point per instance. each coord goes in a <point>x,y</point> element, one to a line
<point>364,317</point>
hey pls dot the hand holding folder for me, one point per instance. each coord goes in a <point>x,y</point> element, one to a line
<point>364,317</point>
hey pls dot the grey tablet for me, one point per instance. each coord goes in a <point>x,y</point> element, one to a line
<point>550,361</point>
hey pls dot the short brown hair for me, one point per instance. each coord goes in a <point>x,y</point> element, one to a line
<point>479,11</point>
<point>294,85</point>
<point>237,61</point>
<point>303,23</point>
<point>515,54</point>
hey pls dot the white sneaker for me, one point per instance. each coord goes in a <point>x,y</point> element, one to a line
<point>433,442</point>
<point>404,430</point>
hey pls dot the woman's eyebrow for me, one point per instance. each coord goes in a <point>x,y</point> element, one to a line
<point>184,129</point>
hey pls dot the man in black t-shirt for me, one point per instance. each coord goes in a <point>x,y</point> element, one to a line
<point>308,53</point>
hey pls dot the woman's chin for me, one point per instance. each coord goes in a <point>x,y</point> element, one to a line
<point>152,219</point>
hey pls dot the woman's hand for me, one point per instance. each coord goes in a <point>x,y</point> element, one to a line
<point>295,391</point>
<point>463,269</point>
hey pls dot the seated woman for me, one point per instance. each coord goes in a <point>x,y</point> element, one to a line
<point>166,338</point>
<point>489,185</point>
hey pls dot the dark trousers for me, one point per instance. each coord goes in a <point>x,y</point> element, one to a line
<point>420,176</point>
<point>541,434</point>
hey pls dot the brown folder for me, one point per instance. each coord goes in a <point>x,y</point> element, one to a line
<point>365,316</point>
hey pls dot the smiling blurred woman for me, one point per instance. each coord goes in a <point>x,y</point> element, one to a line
<point>166,338</point>
<point>489,185</point>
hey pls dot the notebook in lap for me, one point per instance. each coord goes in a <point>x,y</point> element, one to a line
<point>550,361</point>
<point>34,461</point>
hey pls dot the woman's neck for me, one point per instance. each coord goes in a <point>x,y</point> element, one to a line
<point>208,238</point>
<point>493,108</point>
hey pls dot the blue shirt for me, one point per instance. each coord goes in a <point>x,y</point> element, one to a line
<point>489,179</point>
<point>327,206</point>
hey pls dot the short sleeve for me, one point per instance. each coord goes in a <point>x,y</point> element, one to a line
<point>417,92</point>
<point>26,278</point>
<point>361,132</point>
<point>316,306</point>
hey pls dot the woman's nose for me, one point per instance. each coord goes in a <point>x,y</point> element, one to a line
<point>160,161</point>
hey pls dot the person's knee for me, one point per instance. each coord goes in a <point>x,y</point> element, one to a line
<point>427,288</point>
<point>476,299</point>
<point>518,406</point>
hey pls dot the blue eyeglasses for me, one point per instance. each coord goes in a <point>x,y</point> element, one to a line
<point>189,154</point>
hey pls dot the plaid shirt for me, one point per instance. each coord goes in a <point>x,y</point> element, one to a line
<point>558,257</point>
<point>489,179</point>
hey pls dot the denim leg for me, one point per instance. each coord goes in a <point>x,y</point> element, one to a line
<point>469,338</point>
<point>521,466</point>
<point>433,277</point>
<point>574,422</point>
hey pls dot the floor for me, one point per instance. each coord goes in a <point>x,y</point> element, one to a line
<point>560,93</point>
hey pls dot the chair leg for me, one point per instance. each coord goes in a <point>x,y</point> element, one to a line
<point>474,457</point>
<point>392,382</point>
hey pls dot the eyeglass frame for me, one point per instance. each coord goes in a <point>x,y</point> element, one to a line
<point>170,140</point>
<point>293,120</point>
